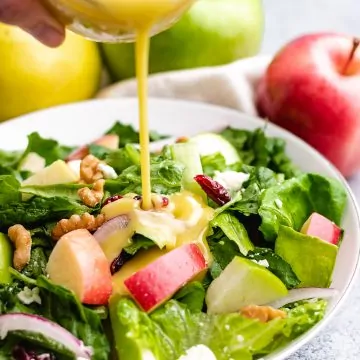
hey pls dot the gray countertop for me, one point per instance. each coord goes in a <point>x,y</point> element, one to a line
<point>286,19</point>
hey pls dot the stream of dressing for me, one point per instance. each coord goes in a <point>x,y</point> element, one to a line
<point>141,18</point>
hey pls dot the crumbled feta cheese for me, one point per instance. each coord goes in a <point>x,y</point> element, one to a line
<point>74,165</point>
<point>231,180</point>
<point>29,296</point>
<point>278,203</point>
<point>261,262</point>
<point>108,171</point>
<point>198,352</point>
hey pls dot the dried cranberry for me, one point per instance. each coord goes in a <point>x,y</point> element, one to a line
<point>213,189</point>
<point>112,199</point>
<point>165,201</point>
<point>119,262</point>
<point>138,197</point>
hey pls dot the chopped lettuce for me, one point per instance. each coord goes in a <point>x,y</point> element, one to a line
<point>293,201</point>
<point>38,211</point>
<point>192,295</point>
<point>128,135</point>
<point>256,149</point>
<point>261,178</point>
<point>171,330</point>
<point>166,178</point>
<point>276,265</point>
<point>59,305</point>
<point>48,149</point>
<point>234,231</point>
<point>139,242</point>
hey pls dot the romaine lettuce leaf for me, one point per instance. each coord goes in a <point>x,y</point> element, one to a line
<point>171,330</point>
<point>256,149</point>
<point>234,231</point>
<point>293,201</point>
<point>276,265</point>
<point>59,305</point>
<point>123,158</point>
<point>166,177</point>
<point>39,211</point>
<point>261,178</point>
<point>48,149</point>
<point>192,295</point>
<point>128,135</point>
<point>9,189</point>
<point>139,242</point>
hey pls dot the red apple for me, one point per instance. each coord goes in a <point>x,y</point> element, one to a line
<point>78,263</point>
<point>312,88</point>
<point>321,227</point>
<point>110,141</point>
<point>159,281</point>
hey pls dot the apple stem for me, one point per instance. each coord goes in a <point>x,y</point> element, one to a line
<point>355,45</point>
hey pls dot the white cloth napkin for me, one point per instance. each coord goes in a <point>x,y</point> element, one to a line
<point>232,85</point>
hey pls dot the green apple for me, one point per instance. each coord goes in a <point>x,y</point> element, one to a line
<point>212,32</point>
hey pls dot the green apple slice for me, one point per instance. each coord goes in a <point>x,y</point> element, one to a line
<point>209,144</point>
<point>243,283</point>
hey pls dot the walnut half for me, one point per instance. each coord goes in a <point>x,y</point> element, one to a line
<point>92,197</point>
<point>22,242</point>
<point>262,313</point>
<point>84,221</point>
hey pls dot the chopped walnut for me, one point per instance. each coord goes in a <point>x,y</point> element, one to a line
<point>22,242</point>
<point>89,169</point>
<point>263,313</point>
<point>92,197</point>
<point>84,221</point>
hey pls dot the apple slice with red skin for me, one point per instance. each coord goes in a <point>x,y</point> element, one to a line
<point>161,279</point>
<point>110,141</point>
<point>321,227</point>
<point>78,263</point>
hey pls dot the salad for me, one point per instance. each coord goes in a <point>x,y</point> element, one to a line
<point>234,261</point>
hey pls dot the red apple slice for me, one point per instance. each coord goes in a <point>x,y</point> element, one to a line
<point>79,264</point>
<point>321,227</point>
<point>157,282</point>
<point>110,141</point>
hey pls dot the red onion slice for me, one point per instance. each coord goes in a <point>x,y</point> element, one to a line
<point>49,329</point>
<point>115,224</point>
<point>304,294</point>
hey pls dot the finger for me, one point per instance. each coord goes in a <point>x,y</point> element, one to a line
<point>34,18</point>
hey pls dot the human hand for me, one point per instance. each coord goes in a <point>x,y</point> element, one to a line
<point>34,18</point>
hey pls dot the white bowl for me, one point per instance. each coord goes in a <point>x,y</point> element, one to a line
<point>82,122</point>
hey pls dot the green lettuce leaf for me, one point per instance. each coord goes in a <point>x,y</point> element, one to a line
<point>59,305</point>
<point>277,266</point>
<point>139,242</point>
<point>261,178</point>
<point>234,231</point>
<point>166,178</point>
<point>9,189</point>
<point>256,149</point>
<point>68,191</point>
<point>293,201</point>
<point>38,211</point>
<point>192,295</point>
<point>8,162</point>
<point>170,331</point>
<point>49,149</point>
<point>128,135</point>
<point>123,158</point>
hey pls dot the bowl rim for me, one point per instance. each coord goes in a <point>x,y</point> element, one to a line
<point>296,344</point>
